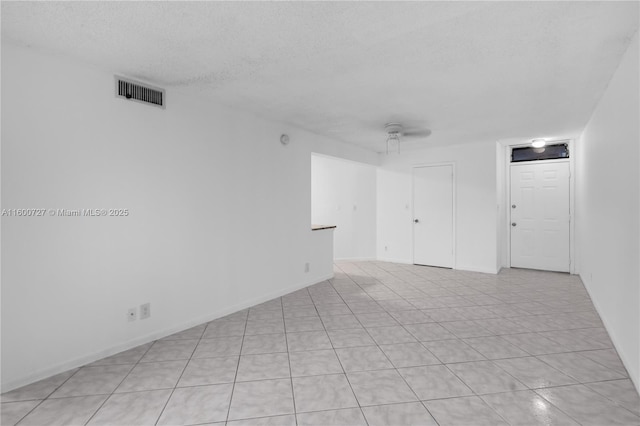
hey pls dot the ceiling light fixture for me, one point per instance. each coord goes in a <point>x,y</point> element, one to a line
<point>393,139</point>
<point>538,143</point>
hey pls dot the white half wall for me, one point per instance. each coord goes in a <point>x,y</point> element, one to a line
<point>475,219</point>
<point>608,193</point>
<point>343,193</point>
<point>219,214</point>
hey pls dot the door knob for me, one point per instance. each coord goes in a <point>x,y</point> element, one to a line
<point>513,224</point>
<point>513,206</point>
<point>416,220</point>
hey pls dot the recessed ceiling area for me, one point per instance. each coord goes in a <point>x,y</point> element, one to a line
<point>468,71</point>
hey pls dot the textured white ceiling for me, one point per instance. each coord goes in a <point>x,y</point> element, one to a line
<point>470,71</point>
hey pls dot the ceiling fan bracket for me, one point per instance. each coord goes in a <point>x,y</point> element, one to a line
<point>393,129</point>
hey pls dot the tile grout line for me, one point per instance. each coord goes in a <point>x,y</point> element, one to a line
<point>535,391</point>
<point>344,372</point>
<point>335,353</point>
<point>604,396</point>
<point>233,386</point>
<point>181,374</point>
<point>401,376</point>
<point>452,372</point>
<point>45,399</point>
<point>385,355</point>
<point>122,381</point>
<point>286,342</point>
<point>480,395</point>
<point>555,316</point>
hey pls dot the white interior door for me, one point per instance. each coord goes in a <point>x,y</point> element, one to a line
<point>433,216</point>
<point>540,216</point>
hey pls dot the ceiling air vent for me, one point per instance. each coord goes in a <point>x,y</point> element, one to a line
<point>140,92</point>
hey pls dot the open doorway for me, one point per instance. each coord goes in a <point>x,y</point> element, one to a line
<point>343,193</point>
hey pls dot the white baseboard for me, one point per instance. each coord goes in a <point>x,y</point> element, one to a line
<point>477,269</point>
<point>132,343</point>
<point>392,260</point>
<point>354,259</point>
<point>460,268</point>
<point>623,357</point>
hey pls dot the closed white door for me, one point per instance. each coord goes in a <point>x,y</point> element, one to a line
<point>540,216</point>
<point>433,216</point>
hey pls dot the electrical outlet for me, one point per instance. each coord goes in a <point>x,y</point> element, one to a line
<point>145,311</point>
<point>306,267</point>
<point>132,314</point>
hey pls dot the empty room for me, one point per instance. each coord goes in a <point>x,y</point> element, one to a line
<point>320,213</point>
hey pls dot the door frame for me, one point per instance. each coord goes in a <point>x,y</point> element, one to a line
<point>506,196</point>
<point>454,211</point>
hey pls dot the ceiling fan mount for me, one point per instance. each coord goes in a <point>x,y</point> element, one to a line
<point>393,129</point>
<point>396,131</point>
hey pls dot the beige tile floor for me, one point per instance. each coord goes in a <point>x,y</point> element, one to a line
<point>380,344</point>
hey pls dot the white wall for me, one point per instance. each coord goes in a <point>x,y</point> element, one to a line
<point>501,208</point>
<point>475,221</point>
<point>607,210</point>
<point>343,193</point>
<point>219,214</point>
